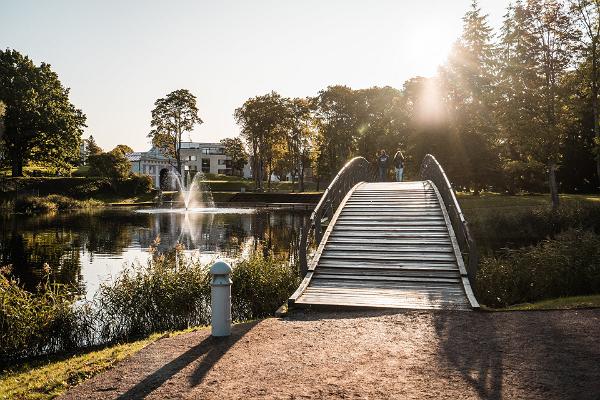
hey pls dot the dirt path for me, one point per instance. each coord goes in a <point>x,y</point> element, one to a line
<point>371,355</point>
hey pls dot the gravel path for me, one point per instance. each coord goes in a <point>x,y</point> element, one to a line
<point>370,355</point>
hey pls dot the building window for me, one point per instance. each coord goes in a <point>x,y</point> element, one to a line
<point>222,161</point>
<point>191,158</point>
<point>206,165</point>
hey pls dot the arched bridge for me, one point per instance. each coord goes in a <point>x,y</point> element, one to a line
<point>387,244</point>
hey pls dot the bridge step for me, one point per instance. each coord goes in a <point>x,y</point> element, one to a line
<point>389,246</point>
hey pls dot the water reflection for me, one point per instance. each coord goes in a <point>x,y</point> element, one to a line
<point>85,247</point>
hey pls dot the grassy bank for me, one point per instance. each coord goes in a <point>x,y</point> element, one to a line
<point>561,303</point>
<point>50,377</point>
<point>171,292</point>
<point>53,202</point>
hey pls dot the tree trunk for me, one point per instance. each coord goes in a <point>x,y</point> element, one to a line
<point>553,186</point>
<point>301,178</point>
<point>17,167</point>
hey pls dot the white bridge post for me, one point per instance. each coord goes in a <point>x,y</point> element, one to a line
<point>220,295</point>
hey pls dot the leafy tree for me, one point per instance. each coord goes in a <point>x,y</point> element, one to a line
<point>113,165</point>
<point>537,47</point>
<point>123,149</point>
<point>172,116</point>
<point>586,14</point>
<point>40,123</point>
<point>263,121</point>
<point>337,122</point>
<point>468,84</point>
<point>91,147</point>
<point>300,138</point>
<point>234,149</point>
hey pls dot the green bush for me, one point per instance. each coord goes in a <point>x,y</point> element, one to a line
<point>495,229</point>
<point>34,204</point>
<point>135,184</point>
<point>45,321</point>
<point>568,265</point>
<point>260,286</point>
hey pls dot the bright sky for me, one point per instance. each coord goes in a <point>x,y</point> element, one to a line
<point>119,56</point>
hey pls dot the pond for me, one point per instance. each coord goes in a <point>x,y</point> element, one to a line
<point>84,248</point>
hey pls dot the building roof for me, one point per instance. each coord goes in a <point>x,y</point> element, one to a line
<point>199,145</point>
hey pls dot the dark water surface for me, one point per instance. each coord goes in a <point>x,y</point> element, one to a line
<point>84,248</point>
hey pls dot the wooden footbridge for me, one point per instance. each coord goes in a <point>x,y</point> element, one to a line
<point>387,245</point>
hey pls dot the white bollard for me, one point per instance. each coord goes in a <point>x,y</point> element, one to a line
<point>220,294</point>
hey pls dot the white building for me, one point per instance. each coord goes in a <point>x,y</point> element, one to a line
<point>153,163</point>
<point>209,158</point>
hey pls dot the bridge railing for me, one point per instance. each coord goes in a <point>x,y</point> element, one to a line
<point>433,171</point>
<point>356,170</point>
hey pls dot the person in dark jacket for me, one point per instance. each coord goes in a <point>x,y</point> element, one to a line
<point>399,165</point>
<point>382,162</point>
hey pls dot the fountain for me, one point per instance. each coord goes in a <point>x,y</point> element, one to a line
<point>194,195</point>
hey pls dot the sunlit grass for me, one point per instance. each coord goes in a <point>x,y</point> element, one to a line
<point>51,377</point>
<point>562,303</point>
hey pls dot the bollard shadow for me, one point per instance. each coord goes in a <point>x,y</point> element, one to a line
<point>208,352</point>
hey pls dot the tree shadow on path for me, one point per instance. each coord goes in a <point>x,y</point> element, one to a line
<point>210,350</point>
<point>472,349</point>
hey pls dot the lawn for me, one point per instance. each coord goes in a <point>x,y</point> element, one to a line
<point>47,379</point>
<point>50,377</point>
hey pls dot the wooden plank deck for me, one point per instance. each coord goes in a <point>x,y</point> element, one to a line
<point>389,245</point>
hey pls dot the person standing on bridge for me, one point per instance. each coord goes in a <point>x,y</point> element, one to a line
<point>382,162</point>
<point>399,165</point>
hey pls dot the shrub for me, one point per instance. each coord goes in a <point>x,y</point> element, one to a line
<point>113,165</point>
<point>568,265</point>
<point>45,321</point>
<point>494,229</point>
<point>53,202</point>
<point>34,204</point>
<point>135,184</point>
<point>260,286</point>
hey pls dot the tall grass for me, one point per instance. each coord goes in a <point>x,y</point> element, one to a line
<point>568,265</point>
<point>170,292</point>
<point>45,321</point>
<point>53,202</point>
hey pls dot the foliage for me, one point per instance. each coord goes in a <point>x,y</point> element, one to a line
<point>53,202</point>
<point>263,121</point>
<point>568,265</point>
<point>113,165</point>
<point>167,293</point>
<point>123,149</point>
<point>234,148</point>
<point>496,228</point>
<point>91,147</point>
<point>172,116</point>
<point>40,122</point>
<point>42,322</point>
<point>261,286</point>
<point>510,110</point>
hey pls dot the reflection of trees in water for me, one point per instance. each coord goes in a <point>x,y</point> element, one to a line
<point>28,242</point>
